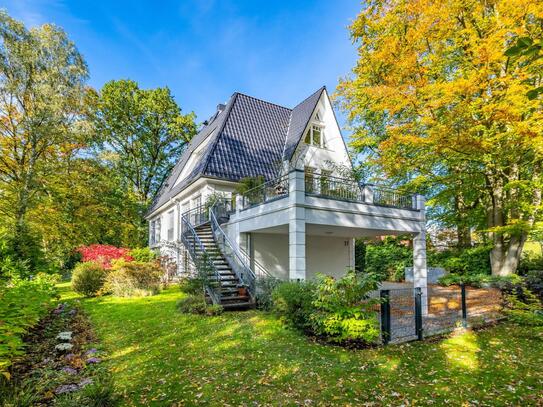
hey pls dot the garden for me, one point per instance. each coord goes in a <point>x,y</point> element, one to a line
<point>97,339</point>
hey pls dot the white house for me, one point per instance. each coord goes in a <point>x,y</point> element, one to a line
<point>301,222</point>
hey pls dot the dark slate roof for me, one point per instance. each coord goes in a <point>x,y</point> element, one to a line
<point>299,118</point>
<point>250,137</point>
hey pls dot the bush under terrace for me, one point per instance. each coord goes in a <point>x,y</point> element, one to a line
<point>338,310</point>
<point>343,311</point>
<point>133,279</point>
<point>22,304</point>
<point>293,303</point>
<point>88,278</point>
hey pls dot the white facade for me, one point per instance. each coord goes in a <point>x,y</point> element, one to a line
<point>303,232</point>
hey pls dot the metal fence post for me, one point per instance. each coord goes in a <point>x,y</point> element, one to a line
<point>464,306</point>
<point>418,313</point>
<point>385,316</point>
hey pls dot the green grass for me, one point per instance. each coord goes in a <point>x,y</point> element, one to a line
<point>161,357</point>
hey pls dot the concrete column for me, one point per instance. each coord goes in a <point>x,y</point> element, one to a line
<point>296,227</point>
<point>420,270</point>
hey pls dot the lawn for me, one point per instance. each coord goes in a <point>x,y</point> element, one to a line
<point>161,357</point>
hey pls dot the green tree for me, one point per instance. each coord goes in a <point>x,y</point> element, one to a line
<point>145,132</point>
<point>437,104</point>
<point>42,92</point>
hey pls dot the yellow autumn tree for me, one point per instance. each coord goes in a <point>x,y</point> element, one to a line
<point>435,102</point>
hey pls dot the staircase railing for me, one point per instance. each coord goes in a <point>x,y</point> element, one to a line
<point>201,260</point>
<point>230,250</point>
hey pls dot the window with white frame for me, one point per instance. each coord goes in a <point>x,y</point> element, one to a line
<point>315,136</point>
<point>152,232</point>
<point>170,224</point>
<point>157,230</point>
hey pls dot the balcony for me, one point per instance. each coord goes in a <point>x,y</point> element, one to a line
<point>330,187</point>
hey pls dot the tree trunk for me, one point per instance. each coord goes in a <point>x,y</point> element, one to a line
<point>505,256</point>
<point>463,235</point>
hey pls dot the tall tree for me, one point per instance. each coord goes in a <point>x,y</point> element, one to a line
<point>438,104</point>
<point>42,90</point>
<point>146,132</point>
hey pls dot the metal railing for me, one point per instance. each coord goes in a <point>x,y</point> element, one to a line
<point>268,191</point>
<point>200,258</point>
<point>389,197</point>
<point>348,189</point>
<point>196,216</point>
<point>328,186</point>
<point>230,250</point>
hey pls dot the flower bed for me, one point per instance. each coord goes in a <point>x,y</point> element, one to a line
<point>63,363</point>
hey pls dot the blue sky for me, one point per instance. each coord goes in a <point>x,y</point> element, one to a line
<point>204,50</point>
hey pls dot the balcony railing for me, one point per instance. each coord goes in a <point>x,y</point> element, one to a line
<point>269,191</point>
<point>390,197</point>
<point>345,189</point>
<point>327,186</point>
<point>331,187</point>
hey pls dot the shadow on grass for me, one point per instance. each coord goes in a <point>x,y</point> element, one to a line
<point>160,356</point>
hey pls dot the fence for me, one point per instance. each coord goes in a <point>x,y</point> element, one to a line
<point>408,314</point>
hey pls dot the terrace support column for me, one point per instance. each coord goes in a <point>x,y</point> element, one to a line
<point>296,226</point>
<point>420,270</point>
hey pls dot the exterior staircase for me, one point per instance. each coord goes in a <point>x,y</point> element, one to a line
<point>230,283</point>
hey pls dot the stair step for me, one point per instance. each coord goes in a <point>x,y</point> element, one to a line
<point>239,306</point>
<point>235,298</point>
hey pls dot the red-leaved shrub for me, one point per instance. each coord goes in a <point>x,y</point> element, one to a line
<point>103,254</point>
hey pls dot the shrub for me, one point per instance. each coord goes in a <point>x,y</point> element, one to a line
<point>479,280</point>
<point>342,308</point>
<point>474,260</point>
<point>191,285</point>
<point>523,307</point>
<point>103,254</point>
<point>88,278</point>
<point>388,259</point>
<point>264,292</point>
<point>293,302</point>
<point>534,282</point>
<point>10,265</point>
<point>529,262</point>
<point>144,254</point>
<point>22,304</point>
<point>133,279</point>
<point>197,304</point>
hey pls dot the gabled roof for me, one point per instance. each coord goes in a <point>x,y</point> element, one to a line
<point>250,137</point>
<point>299,118</point>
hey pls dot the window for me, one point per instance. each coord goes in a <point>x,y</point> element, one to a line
<point>197,201</point>
<point>315,136</point>
<point>170,224</point>
<point>152,232</point>
<point>157,230</point>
